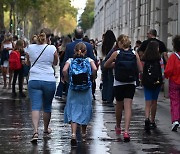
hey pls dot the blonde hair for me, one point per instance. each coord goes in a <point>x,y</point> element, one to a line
<point>124,40</point>
<point>80,50</point>
<point>41,38</point>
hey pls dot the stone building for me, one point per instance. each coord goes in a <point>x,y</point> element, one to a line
<point>136,17</point>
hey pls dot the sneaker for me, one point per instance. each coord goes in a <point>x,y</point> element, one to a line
<point>147,125</point>
<point>118,130</point>
<point>126,137</point>
<point>175,126</point>
<point>153,125</point>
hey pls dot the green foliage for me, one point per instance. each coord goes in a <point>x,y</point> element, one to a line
<point>87,17</point>
<point>43,13</point>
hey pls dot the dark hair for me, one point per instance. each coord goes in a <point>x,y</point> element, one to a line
<point>176,43</point>
<point>80,50</point>
<point>86,39</point>
<point>138,42</point>
<point>78,33</point>
<point>108,42</point>
<point>153,32</point>
<point>152,52</point>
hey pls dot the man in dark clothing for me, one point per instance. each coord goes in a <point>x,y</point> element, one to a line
<point>69,52</point>
<point>163,51</point>
<point>152,37</point>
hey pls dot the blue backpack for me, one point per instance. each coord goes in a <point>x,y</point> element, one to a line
<point>80,74</point>
<point>126,66</point>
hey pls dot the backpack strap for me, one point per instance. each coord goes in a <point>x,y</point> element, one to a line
<point>177,55</point>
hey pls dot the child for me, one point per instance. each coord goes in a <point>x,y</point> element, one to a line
<point>172,71</point>
<point>19,49</point>
<point>78,109</point>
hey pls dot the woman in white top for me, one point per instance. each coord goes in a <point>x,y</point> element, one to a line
<point>6,47</point>
<point>42,82</point>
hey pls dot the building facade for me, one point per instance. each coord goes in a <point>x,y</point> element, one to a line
<point>135,17</point>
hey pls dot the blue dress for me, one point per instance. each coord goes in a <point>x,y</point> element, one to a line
<point>78,107</point>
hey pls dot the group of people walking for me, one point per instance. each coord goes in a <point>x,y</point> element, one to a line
<point>121,67</point>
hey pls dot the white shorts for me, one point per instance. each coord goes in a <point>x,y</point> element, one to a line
<point>5,63</point>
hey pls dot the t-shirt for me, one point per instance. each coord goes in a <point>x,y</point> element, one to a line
<point>42,70</point>
<point>162,47</point>
<point>70,59</point>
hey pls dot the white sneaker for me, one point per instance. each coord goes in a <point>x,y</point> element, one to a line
<point>175,126</point>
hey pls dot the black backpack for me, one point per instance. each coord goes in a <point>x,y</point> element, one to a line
<point>126,66</point>
<point>152,74</point>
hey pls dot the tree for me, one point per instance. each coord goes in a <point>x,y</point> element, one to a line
<point>87,17</point>
<point>39,14</point>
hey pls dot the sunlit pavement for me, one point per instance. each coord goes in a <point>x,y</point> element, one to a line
<point>16,129</point>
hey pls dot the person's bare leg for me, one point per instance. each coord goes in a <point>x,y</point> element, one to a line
<point>10,78</point>
<point>147,109</point>
<point>35,120</point>
<point>118,110</point>
<point>46,119</point>
<point>83,129</point>
<point>127,112</point>
<point>4,72</point>
<point>153,110</point>
<point>73,128</point>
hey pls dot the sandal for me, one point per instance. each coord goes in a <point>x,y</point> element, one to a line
<point>73,141</point>
<point>84,137</point>
<point>49,131</point>
<point>34,137</point>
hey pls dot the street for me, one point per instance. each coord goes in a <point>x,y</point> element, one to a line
<point>16,129</point>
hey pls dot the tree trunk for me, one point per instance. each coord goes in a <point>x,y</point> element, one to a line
<point>2,27</point>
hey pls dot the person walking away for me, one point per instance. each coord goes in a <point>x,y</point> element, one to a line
<point>6,47</point>
<point>16,60</point>
<point>69,52</point>
<point>78,109</point>
<point>151,35</point>
<point>42,82</point>
<point>152,81</point>
<point>61,86</point>
<point>124,81</point>
<point>92,42</point>
<point>172,72</point>
<point>108,43</point>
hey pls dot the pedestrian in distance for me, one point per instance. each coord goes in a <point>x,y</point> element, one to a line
<point>6,47</point>
<point>152,81</point>
<point>78,109</point>
<point>16,61</point>
<point>62,87</point>
<point>172,71</point>
<point>124,89</point>
<point>42,82</point>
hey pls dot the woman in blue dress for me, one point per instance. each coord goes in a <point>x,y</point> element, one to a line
<point>78,109</point>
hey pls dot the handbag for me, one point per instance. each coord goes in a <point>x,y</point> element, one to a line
<point>26,68</point>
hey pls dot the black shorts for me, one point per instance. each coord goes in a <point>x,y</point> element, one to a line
<point>124,91</point>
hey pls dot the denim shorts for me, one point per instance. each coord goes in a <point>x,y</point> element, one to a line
<point>151,94</point>
<point>41,94</point>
